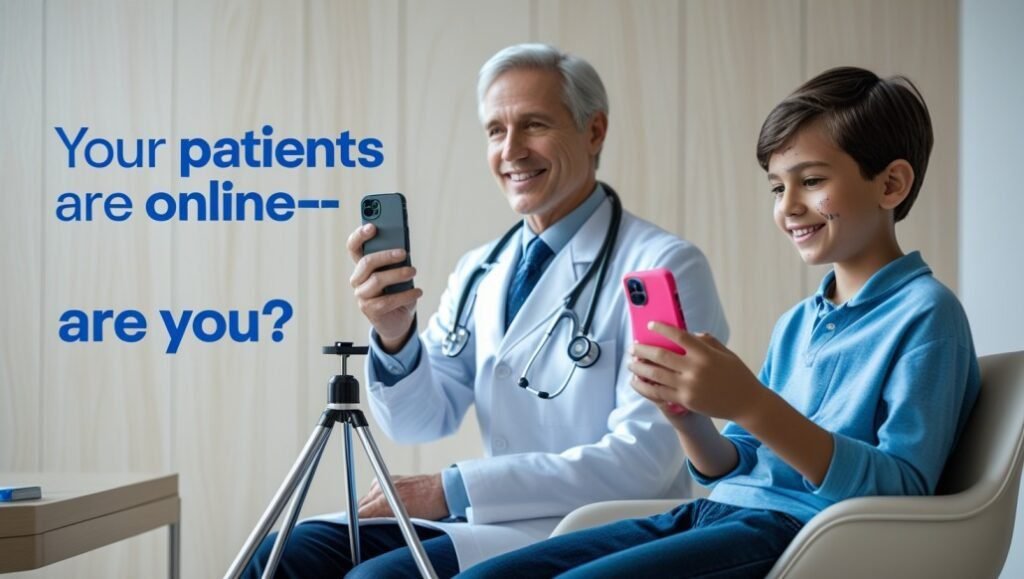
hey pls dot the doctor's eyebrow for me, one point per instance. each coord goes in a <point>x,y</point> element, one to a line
<point>544,117</point>
<point>800,167</point>
<point>523,119</point>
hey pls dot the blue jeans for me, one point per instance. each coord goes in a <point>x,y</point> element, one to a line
<point>320,549</point>
<point>698,539</point>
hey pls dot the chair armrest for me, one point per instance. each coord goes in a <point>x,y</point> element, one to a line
<point>925,508</point>
<point>597,514</point>
<point>943,536</point>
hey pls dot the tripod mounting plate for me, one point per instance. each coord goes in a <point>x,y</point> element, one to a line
<point>345,349</point>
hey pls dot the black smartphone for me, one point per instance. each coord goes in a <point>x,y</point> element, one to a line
<point>387,212</point>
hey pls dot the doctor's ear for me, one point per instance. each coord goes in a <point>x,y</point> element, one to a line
<point>597,130</point>
<point>898,178</point>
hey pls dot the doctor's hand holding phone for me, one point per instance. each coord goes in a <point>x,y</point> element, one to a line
<point>383,276</point>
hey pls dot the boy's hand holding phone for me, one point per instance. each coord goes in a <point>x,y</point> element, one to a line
<point>709,379</point>
<point>652,297</point>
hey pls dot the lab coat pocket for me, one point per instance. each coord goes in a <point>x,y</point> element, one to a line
<point>582,409</point>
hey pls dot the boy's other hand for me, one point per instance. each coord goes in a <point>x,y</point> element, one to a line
<point>709,379</point>
<point>662,397</point>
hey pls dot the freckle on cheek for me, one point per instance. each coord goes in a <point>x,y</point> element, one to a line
<point>826,210</point>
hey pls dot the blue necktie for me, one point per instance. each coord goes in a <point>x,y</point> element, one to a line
<point>530,269</point>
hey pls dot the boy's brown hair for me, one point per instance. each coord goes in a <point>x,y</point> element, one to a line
<point>876,121</point>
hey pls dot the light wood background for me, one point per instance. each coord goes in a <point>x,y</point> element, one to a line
<point>689,83</point>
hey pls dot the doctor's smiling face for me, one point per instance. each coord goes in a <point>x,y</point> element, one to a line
<point>545,164</point>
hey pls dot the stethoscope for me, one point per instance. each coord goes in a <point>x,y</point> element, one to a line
<point>583,350</point>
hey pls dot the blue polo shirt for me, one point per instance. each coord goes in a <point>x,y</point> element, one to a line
<point>892,374</point>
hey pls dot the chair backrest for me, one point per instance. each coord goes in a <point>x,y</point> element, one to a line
<point>989,452</point>
<point>964,532</point>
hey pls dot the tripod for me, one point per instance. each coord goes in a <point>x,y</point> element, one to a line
<point>342,406</point>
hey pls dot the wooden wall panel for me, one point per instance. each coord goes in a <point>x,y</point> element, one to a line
<point>690,82</point>
<point>635,47</point>
<point>21,161</point>
<point>105,68</point>
<point>443,157</point>
<point>238,66</point>
<point>917,38</point>
<point>739,59</point>
<point>352,84</point>
<point>111,419</point>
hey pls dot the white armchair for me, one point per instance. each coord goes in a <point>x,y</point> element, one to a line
<point>962,531</point>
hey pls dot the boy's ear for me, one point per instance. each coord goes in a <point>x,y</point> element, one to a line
<point>897,178</point>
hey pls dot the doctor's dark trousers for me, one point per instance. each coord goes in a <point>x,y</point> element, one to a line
<point>320,549</point>
<point>698,539</point>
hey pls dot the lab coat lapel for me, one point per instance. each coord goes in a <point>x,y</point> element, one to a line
<point>558,280</point>
<point>489,310</point>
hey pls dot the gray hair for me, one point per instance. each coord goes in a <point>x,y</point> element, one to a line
<point>582,90</point>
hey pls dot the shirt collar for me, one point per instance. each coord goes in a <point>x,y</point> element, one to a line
<point>890,278</point>
<point>558,235</point>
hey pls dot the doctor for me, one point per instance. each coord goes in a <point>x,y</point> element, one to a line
<point>548,449</point>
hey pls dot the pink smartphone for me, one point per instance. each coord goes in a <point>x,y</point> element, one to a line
<point>652,297</point>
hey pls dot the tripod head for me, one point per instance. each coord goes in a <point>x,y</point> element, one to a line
<point>345,349</point>
<point>343,388</point>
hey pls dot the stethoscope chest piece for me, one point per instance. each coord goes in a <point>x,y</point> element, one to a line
<point>455,341</point>
<point>584,351</point>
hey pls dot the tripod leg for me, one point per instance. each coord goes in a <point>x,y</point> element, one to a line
<point>353,506</point>
<point>293,513</point>
<point>384,480</point>
<point>302,463</point>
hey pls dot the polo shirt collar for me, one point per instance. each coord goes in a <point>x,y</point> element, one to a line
<point>890,278</point>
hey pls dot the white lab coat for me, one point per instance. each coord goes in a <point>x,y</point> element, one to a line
<point>598,441</point>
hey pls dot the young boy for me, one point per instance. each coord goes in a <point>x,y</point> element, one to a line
<point>866,384</point>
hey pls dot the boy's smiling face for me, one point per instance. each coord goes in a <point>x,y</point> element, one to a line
<point>822,201</point>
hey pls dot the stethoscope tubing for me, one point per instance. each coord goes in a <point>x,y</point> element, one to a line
<point>458,336</point>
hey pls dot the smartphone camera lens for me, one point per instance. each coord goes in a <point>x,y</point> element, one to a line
<point>637,295</point>
<point>638,298</point>
<point>371,208</point>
